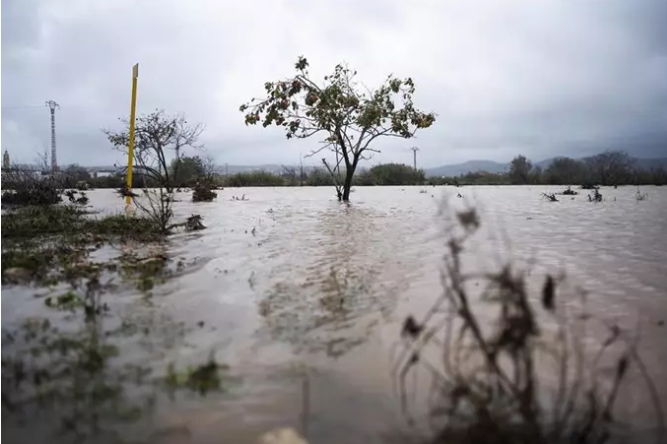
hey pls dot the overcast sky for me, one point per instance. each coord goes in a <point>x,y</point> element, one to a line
<point>506,77</point>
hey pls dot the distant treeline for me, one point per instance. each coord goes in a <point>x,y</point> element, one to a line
<point>608,168</point>
<point>185,175</point>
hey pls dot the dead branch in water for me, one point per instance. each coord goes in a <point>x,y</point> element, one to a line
<point>486,384</point>
<point>550,196</point>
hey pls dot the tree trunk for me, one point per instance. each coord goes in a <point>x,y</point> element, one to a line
<point>347,185</point>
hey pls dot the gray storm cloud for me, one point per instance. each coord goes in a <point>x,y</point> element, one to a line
<point>540,78</point>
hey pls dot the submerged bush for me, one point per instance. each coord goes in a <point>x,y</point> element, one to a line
<point>203,192</point>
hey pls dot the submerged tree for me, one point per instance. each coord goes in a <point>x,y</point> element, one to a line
<point>348,119</point>
<point>610,167</point>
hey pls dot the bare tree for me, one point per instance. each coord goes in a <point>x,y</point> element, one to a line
<point>290,173</point>
<point>209,167</point>
<point>155,134</point>
<point>610,167</point>
<point>42,160</point>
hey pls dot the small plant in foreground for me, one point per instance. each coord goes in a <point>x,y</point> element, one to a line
<point>490,383</point>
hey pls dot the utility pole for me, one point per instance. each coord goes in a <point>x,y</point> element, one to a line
<point>5,160</point>
<point>414,156</point>
<point>54,162</point>
<point>300,169</point>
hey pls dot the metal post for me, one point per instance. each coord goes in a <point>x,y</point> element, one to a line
<point>130,147</point>
<point>54,162</point>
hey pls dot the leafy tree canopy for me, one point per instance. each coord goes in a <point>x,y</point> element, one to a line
<point>348,119</point>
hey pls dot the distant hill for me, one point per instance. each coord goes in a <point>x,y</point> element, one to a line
<point>467,167</point>
<point>647,164</point>
<point>644,164</point>
<point>495,167</point>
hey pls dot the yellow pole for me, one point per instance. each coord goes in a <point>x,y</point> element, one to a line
<point>130,150</point>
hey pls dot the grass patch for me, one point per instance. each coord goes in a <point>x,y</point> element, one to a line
<point>71,221</point>
<point>31,263</point>
<point>45,263</point>
<point>49,244</point>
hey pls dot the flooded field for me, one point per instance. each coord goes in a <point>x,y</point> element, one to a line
<point>302,299</point>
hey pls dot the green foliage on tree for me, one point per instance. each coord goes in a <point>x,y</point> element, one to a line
<point>186,170</point>
<point>347,119</point>
<point>392,174</point>
<point>254,179</point>
<point>520,170</point>
<point>564,171</point>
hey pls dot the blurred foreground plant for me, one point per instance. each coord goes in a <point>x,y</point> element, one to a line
<point>490,385</point>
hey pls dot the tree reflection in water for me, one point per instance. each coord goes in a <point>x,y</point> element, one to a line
<point>333,304</point>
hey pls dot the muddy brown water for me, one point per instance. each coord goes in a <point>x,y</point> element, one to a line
<point>303,298</point>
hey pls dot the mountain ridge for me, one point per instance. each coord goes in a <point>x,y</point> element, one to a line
<point>489,166</point>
